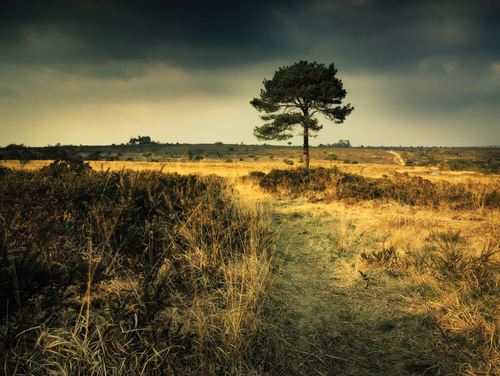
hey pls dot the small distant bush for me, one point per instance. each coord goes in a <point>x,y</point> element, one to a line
<point>62,167</point>
<point>288,162</point>
<point>24,162</point>
<point>94,156</point>
<point>4,171</point>
<point>257,174</point>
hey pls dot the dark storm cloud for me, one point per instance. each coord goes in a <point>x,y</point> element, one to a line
<point>387,35</point>
<point>81,71</point>
<point>192,33</point>
<point>88,36</point>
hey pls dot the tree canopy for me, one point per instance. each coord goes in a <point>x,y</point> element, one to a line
<point>293,97</point>
<point>140,140</point>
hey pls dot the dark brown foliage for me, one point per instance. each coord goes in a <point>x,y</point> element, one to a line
<point>59,224</point>
<point>334,184</point>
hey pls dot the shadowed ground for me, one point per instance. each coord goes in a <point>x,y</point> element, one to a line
<point>330,322</point>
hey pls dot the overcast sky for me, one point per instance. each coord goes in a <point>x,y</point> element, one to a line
<point>423,72</point>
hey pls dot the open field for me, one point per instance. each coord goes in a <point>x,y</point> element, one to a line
<point>259,282</point>
<point>455,159</point>
<point>240,169</point>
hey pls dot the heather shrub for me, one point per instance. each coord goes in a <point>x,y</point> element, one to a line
<point>335,184</point>
<point>124,266</point>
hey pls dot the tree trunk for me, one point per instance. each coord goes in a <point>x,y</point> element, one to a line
<point>306,147</point>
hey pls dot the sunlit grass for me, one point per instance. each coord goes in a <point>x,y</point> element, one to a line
<point>238,169</point>
<point>443,263</point>
<point>140,273</point>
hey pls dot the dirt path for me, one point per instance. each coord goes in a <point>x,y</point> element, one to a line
<point>398,159</point>
<point>330,323</point>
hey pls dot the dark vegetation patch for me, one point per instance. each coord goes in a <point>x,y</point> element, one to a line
<point>335,184</point>
<point>456,159</point>
<point>66,231</point>
<point>489,165</point>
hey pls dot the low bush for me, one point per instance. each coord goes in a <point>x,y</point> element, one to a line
<point>256,174</point>
<point>62,167</point>
<point>126,272</point>
<point>455,283</point>
<point>333,183</point>
<point>465,299</point>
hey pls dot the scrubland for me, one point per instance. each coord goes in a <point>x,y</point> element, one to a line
<point>128,273</point>
<point>413,266</point>
<point>242,168</point>
<point>401,290</point>
<point>483,159</point>
<point>355,269</point>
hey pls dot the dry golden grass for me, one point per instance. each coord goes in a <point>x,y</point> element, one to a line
<point>396,307</point>
<point>420,286</point>
<point>171,280</point>
<point>362,288</point>
<point>243,168</point>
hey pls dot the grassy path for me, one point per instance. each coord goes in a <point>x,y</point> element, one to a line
<point>330,322</point>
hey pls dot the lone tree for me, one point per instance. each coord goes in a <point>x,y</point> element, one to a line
<point>294,96</point>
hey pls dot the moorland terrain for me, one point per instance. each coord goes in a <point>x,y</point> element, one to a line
<point>232,259</point>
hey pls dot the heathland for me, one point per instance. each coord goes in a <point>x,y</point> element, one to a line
<point>445,158</point>
<point>184,261</point>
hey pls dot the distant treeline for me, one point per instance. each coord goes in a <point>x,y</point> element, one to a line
<point>340,144</point>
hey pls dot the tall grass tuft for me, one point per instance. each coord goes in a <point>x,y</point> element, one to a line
<point>110,273</point>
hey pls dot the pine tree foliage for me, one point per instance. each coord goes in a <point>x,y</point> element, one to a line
<point>294,96</point>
